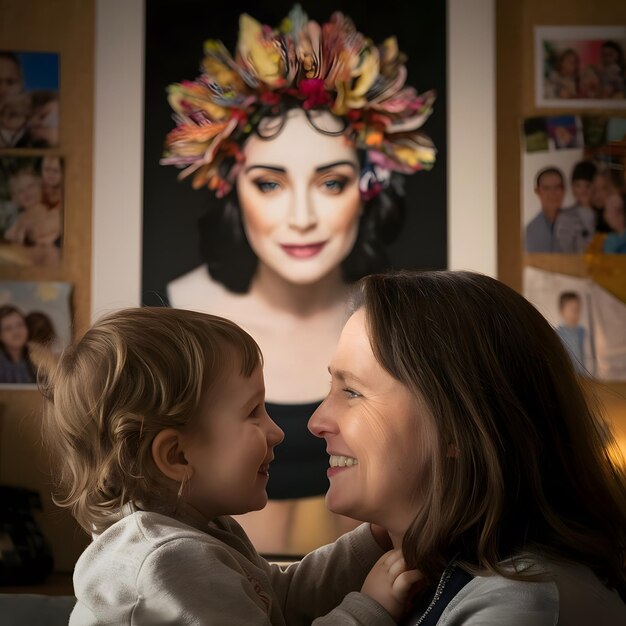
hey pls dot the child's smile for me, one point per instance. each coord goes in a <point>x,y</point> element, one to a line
<point>231,451</point>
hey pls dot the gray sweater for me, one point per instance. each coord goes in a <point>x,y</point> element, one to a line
<point>151,569</point>
<point>570,596</point>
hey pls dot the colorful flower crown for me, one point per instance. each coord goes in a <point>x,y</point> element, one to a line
<point>331,67</point>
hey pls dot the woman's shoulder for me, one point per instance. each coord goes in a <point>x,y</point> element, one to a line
<point>566,593</point>
<point>583,597</point>
<point>495,600</point>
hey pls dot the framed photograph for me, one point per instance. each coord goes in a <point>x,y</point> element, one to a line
<point>35,323</point>
<point>29,99</point>
<point>580,66</point>
<point>31,210</point>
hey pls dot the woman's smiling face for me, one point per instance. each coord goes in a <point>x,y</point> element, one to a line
<point>300,200</point>
<point>375,431</point>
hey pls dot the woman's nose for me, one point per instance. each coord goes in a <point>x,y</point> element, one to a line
<point>322,423</point>
<point>302,214</point>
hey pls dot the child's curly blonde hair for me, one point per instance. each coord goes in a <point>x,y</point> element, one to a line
<point>134,373</point>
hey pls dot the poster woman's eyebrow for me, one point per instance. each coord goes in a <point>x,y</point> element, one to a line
<point>329,166</point>
<point>274,168</point>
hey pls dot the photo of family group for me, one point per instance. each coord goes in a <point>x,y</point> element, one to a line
<point>581,66</point>
<point>573,191</point>
<point>31,210</point>
<point>29,99</point>
<point>35,326</point>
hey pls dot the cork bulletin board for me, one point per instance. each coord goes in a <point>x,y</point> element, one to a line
<point>515,95</point>
<point>65,27</point>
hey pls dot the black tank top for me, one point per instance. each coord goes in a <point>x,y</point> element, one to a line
<point>299,469</point>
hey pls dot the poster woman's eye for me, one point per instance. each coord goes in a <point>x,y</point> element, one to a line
<point>267,186</point>
<point>334,185</point>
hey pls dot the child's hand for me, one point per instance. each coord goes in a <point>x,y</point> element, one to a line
<point>389,583</point>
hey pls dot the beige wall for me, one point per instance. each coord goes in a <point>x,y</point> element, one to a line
<point>66,27</point>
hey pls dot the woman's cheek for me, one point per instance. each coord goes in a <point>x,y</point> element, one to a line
<point>344,211</point>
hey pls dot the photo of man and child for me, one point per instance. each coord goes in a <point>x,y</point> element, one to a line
<point>580,64</point>
<point>31,210</point>
<point>29,99</point>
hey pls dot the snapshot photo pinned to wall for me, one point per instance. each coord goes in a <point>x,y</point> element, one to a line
<point>580,66</point>
<point>31,210</point>
<point>35,326</point>
<point>589,319</point>
<point>573,184</point>
<point>29,99</point>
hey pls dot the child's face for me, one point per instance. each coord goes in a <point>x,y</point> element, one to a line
<point>230,450</point>
<point>609,56</point>
<point>568,64</point>
<point>45,123</point>
<point>26,190</point>
<point>10,79</point>
<point>601,189</point>
<point>614,213</point>
<point>570,312</point>
<point>51,171</point>
<point>582,190</point>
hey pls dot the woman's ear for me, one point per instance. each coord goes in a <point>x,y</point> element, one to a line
<point>169,456</point>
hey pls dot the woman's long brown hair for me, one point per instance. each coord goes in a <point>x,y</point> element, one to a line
<point>531,465</point>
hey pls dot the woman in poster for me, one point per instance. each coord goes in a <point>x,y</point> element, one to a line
<point>303,136</point>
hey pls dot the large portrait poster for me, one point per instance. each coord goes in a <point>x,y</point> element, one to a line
<point>284,219</point>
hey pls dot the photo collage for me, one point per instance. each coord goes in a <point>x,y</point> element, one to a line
<point>35,315</point>
<point>574,234</point>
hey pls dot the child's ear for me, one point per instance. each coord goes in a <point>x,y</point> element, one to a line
<point>168,455</point>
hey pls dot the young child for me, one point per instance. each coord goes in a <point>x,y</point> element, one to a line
<point>159,421</point>
<point>572,334</point>
<point>577,223</point>
<point>562,81</point>
<point>36,226</point>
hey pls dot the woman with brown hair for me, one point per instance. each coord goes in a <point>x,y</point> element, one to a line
<point>455,421</point>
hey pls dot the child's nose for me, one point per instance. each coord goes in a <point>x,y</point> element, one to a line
<point>276,434</point>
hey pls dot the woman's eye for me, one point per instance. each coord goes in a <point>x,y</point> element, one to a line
<point>334,185</point>
<point>351,394</point>
<point>267,186</point>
